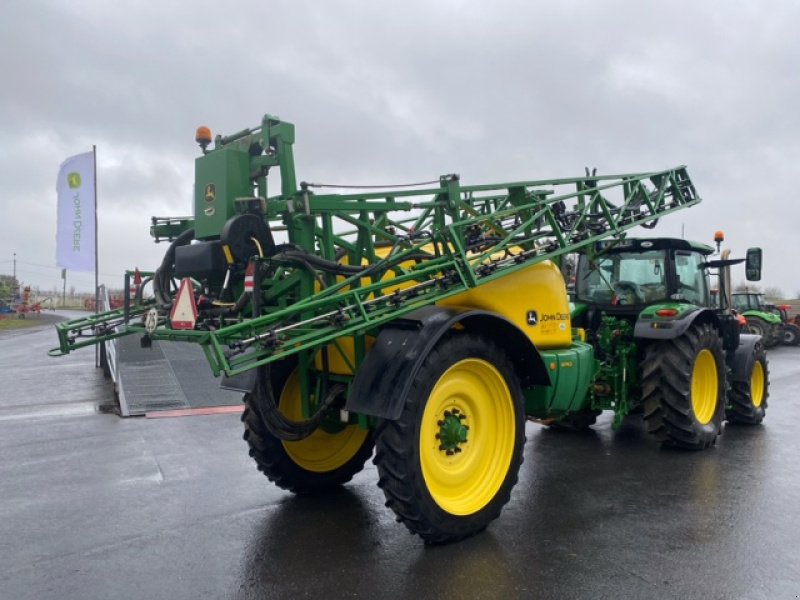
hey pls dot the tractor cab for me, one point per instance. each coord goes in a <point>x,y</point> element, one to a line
<point>658,286</point>
<point>743,301</point>
<point>623,277</point>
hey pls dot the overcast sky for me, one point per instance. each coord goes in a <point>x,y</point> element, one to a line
<point>386,92</point>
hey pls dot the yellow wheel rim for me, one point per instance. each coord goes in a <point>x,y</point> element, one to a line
<point>705,387</point>
<point>320,452</point>
<point>757,384</point>
<point>464,481</point>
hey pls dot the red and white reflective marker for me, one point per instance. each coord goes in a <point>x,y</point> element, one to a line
<point>249,273</point>
<point>184,312</point>
<point>137,281</point>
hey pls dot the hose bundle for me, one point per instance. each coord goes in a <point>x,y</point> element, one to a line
<point>162,278</point>
<point>278,425</point>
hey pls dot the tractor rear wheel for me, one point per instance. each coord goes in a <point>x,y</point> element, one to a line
<point>758,326</point>
<point>791,334</point>
<point>448,464</point>
<point>748,398</point>
<point>683,387</point>
<point>326,459</point>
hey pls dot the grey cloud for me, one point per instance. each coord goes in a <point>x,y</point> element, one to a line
<point>401,92</point>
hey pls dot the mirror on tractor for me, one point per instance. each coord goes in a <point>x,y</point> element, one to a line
<point>752,264</point>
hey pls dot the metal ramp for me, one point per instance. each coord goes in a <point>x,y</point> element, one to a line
<point>165,376</point>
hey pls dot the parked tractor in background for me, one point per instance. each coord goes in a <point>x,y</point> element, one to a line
<point>791,325</point>
<point>767,320</point>
<point>430,322</point>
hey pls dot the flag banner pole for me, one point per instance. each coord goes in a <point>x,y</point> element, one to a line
<point>76,230</point>
<point>96,253</point>
<point>76,243</point>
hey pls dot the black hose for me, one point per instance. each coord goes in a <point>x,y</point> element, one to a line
<point>278,425</point>
<point>229,311</point>
<point>243,300</point>
<point>140,289</point>
<point>162,278</point>
<point>320,263</point>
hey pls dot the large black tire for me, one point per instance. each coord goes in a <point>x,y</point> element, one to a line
<point>313,465</point>
<point>448,464</point>
<point>758,326</point>
<point>791,334</point>
<point>747,400</point>
<point>683,388</point>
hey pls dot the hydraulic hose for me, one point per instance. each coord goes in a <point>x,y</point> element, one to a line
<point>278,425</point>
<point>162,278</point>
<point>321,263</point>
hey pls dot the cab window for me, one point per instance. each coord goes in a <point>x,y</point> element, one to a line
<point>623,278</point>
<point>691,279</point>
<point>740,302</point>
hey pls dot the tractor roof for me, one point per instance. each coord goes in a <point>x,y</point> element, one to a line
<point>644,244</point>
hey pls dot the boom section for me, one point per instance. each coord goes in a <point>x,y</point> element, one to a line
<point>331,266</point>
<point>414,248</point>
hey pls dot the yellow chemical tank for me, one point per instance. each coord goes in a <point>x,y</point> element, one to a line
<point>534,299</point>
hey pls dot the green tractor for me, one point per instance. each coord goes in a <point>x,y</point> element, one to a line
<point>665,347</point>
<point>766,320</point>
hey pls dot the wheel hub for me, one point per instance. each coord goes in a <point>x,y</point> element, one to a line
<point>452,432</point>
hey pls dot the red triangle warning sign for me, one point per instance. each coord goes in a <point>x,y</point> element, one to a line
<point>184,312</point>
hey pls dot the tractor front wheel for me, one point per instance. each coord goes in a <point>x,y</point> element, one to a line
<point>683,387</point>
<point>748,397</point>
<point>326,459</point>
<point>448,464</point>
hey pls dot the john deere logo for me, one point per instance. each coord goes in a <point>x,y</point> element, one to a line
<point>74,180</point>
<point>211,192</point>
<point>532,318</point>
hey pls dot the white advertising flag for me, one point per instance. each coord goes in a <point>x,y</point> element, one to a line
<point>75,235</point>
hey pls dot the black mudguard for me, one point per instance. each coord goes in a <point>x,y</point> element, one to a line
<point>671,329</point>
<point>741,361</point>
<point>245,382</point>
<point>384,378</point>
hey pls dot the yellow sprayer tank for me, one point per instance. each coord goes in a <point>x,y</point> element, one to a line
<point>534,299</point>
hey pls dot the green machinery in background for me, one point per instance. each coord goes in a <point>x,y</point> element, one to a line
<point>425,323</point>
<point>769,321</point>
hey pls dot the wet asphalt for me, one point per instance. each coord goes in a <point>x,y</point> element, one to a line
<point>96,506</point>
